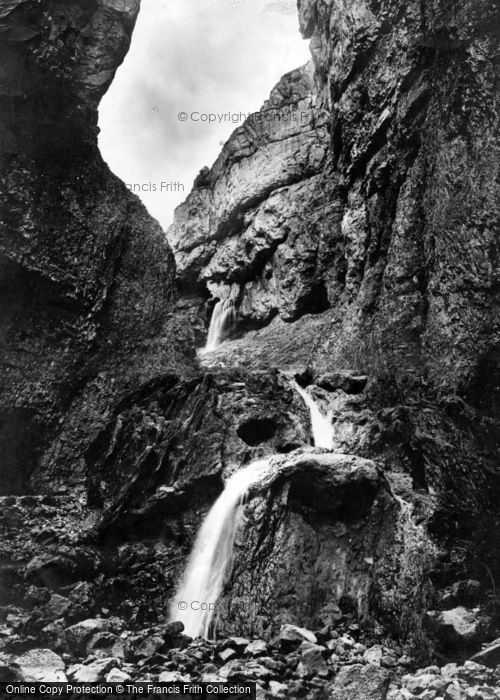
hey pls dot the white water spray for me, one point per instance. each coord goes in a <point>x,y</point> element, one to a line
<point>322,427</point>
<point>221,324</point>
<point>196,599</point>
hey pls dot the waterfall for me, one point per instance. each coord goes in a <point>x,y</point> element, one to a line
<point>221,324</point>
<point>196,599</point>
<point>322,427</point>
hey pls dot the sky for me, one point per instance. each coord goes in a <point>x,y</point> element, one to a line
<point>193,69</point>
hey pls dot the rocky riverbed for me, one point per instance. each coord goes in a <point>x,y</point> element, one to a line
<point>71,611</point>
<point>298,663</point>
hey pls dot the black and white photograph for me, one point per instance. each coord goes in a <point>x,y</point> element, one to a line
<point>250,349</point>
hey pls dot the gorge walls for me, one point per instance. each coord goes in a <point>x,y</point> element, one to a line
<point>353,223</point>
<point>368,187</point>
<point>87,277</point>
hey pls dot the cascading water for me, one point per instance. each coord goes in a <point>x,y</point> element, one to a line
<point>222,322</point>
<point>322,427</point>
<point>197,596</point>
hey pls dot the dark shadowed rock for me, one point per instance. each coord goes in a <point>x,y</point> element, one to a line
<point>458,627</point>
<point>489,655</point>
<point>78,635</point>
<point>172,629</point>
<point>56,607</point>
<point>90,277</point>
<point>149,647</point>
<point>10,674</point>
<point>55,570</point>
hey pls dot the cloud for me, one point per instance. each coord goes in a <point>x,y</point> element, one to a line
<point>199,57</point>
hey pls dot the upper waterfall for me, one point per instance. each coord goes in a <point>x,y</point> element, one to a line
<point>196,599</point>
<point>221,324</point>
<point>322,427</point>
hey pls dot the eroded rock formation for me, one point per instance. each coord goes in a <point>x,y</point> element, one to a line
<point>87,278</point>
<point>352,222</point>
<point>388,218</point>
<point>374,251</point>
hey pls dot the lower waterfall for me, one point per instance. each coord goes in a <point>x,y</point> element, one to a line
<point>221,324</point>
<point>322,427</point>
<point>196,599</point>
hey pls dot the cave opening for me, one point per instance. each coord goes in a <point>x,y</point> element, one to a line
<point>315,301</point>
<point>255,431</point>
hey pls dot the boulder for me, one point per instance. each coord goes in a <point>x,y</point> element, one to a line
<point>454,692</point>
<point>423,682</point>
<point>256,648</point>
<point>238,670</point>
<point>238,643</point>
<point>53,636</point>
<point>105,645</point>
<point>277,690</point>
<point>54,570</point>
<point>117,676</point>
<point>41,665</point>
<point>149,647</point>
<point>311,659</point>
<point>91,673</point>
<point>290,637</point>
<point>227,654</point>
<point>80,633</point>
<point>457,627</point>
<point>355,682</point>
<point>172,630</point>
<point>56,607</point>
<point>373,655</point>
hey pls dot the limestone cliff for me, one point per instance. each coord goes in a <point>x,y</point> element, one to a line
<point>379,202</point>
<point>86,275</point>
<point>254,228</point>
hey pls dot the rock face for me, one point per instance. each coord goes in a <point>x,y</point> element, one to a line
<point>312,539</point>
<point>376,254</point>
<point>255,226</point>
<point>388,219</point>
<point>413,135</point>
<point>87,278</point>
<point>351,221</point>
<point>166,450</point>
